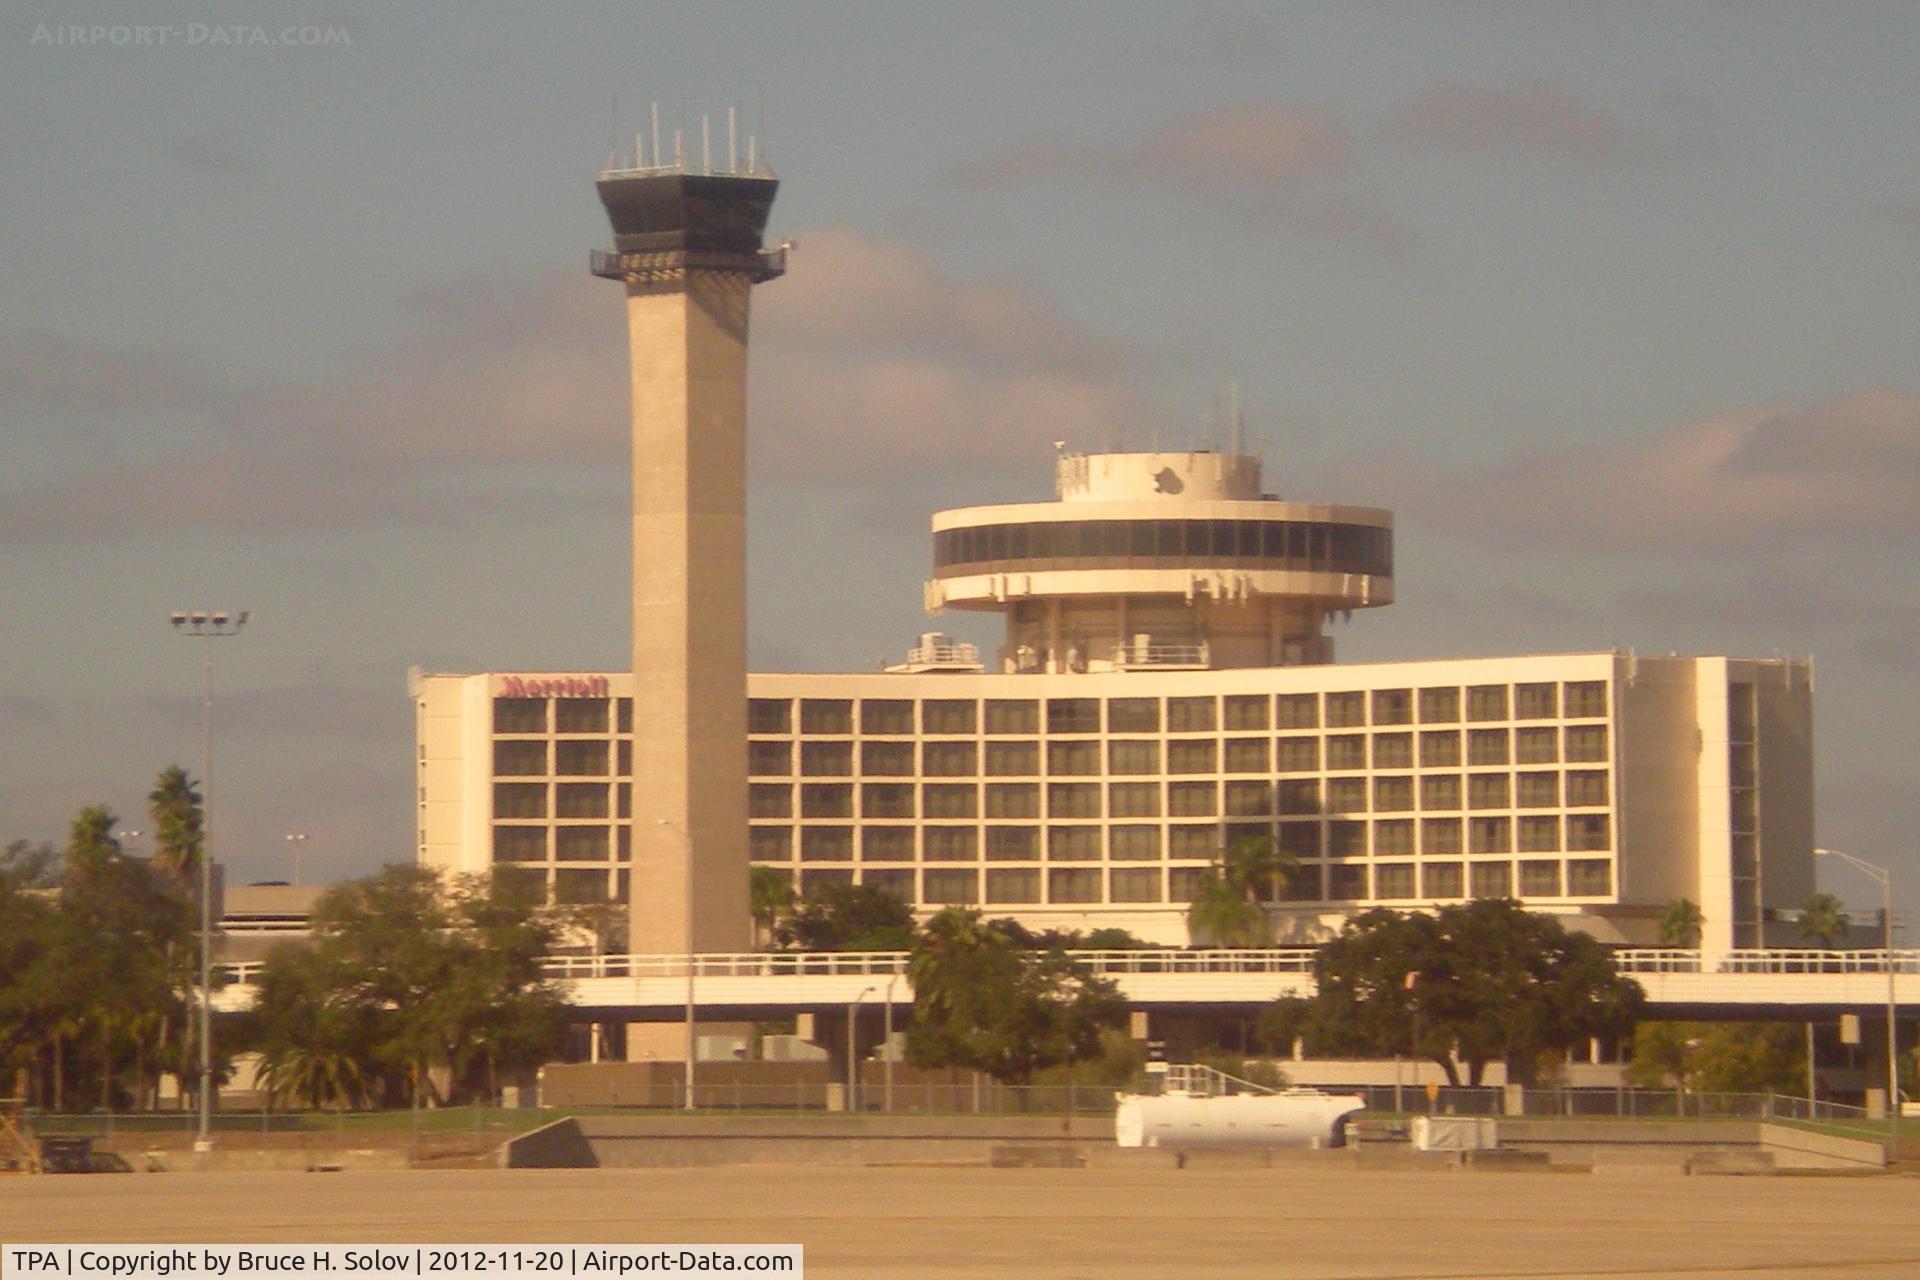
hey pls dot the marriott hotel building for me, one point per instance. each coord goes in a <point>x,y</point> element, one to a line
<point>1164,688</point>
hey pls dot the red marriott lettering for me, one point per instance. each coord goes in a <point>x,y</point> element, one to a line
<point>554,687</point>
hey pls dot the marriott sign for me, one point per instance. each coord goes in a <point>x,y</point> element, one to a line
<point>553,687</point>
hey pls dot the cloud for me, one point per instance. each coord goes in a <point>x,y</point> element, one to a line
<point>1531,118</point>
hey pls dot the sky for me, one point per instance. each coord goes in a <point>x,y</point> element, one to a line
<point>1616,305</point>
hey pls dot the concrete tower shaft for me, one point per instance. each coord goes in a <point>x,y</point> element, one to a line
<point>688,249</point>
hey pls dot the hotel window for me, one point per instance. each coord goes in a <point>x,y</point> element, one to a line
<point>1013,844</point>
<point>826,844</point>
<point>1540,790</point>
<point>1440,749</point>
<point>1135,884</point>
<point>1346,710</point>
<point>1536,746</point>
<point>949,760</point>
<point>1587,743</point>
<point>573,886</point>
<point>816,880</point>
<point>1487,746</point>
<point>886,844</point>
<point>1393,880</point>
<point>826,715</point>
<point>1073,715</point>
<point>1540,833</point>
<point>770,844</point>
<point>1248,798</point>
<point>1440,835</point>
<point>1536,701</point>
<point>1489,791</point>
<point>1012,759</point>
<point>1586,700</point>
<point>826,759</point>
<point>580,715</point>
<point>1301,839</point>
<point>1393,795</point>
<point>1012,716</point>
<point>1393,751</point>
<point>1300,795</point>
<point>1346,839</point>
<point>1133,844</point>
<point>1246,755</point>
<point>1013,800</point>
<point>1133,756</point>
<point>950,800</point>
<point>1589,878</point>
<point>1073,799</point>
<point>887,759</point>
<point>770,759</point>
<point>1296,755</point>
<point>1393,837</point>
<point>519,799</point>
<point>1492,879</point>
<point>1133,715</point>
<point>950,844</point>
<point>623,714</point>
<point>1393,706</point>
<point>580,759</point>
<point>1489,835</point>
<point>894,882</point>
<point>886,716</point>
<point>581,844</point>
<point>1197,842</point>
<point>519,759</point>
<point>623,842</point>
<point>623,801</point>
<point>1192,799</point>
<point>1588,832</point>
<point>770,800</point>
<point>1539,879</point>
<point>1073,844</point>
<point>1073,886</point>
<point>623,758</point>
<point>1347,751</point>
<point>1183,883</point>
<point>1586,788</point>
<point>826,800</point>
<point>1009,884</point>
<point>519,715</point>
<point>1440,791</point>
<point>1346,883</point>
<point>1194,755</point>
<point>952,887</point>
<point>1297,710</point>
<point>769,715</point>
<point>1440,706</point>
<point>520,844</point>
<point>1133,799</point>
<point>1487,702</point>
<point>1190,715</point>
<point>1440,880</point>
<point>1248,712</point>
<point>948,716</point>
<point>1346,795</point>
<point>886,800</point>
<point>1073,758</point>
<point>1301,884</point>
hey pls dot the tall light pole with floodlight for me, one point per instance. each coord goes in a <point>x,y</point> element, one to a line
<point>209,625</point>
<point>1885,880</point>
<point>295,839</point>
<point>853,1040</point>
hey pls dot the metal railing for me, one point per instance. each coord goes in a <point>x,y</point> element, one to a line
<point>1160,655</point>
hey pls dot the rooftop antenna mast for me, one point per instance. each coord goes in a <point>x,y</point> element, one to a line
<point>653,112</point>
<point>733,151</point>
<point>1233,419</point>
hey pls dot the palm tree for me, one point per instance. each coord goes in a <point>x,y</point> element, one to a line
<point>1255,866</point>
<point>1221,913</point>
<point>770,891</point>
<point>1680,923</point>
<point>1823,917</point>
<point>178,824</point>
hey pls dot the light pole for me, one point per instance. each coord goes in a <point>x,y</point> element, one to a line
<point>886,1045</point>
<point>130,841</point>
<point>1885,880</point>
<point>853,1039</point>
<point>210,626</point>
<point>686,1101</point>
<point>294,840</point>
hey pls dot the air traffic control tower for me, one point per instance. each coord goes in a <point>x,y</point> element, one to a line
<point>687,244</point>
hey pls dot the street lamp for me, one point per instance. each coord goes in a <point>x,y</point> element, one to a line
<point>1885,879</point>
<point>853,1038</point>
<point>130,841</point>
<point>210,626</point>
<point>686,1101</point>
<point>294,840</point>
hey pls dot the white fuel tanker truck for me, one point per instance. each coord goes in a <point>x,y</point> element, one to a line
<point>1288,1118</point>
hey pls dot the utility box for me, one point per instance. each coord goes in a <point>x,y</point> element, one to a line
<point>1455,1133</point>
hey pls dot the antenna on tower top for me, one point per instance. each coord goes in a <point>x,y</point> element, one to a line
<point>653,112</point>
<point>1233,419</point>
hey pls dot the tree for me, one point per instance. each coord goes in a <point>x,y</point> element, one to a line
<point>1823,918</point>
<point>1680,923</point>
<point>1718,1057</point>
<point>32,989</point>
<point>848,917</point>
<point>770,898</point>
<point>179,824</point>
<point>1225,909</point>
<point>984,1001</point>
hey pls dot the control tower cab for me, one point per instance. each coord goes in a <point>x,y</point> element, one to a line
<point>1161,561</point>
